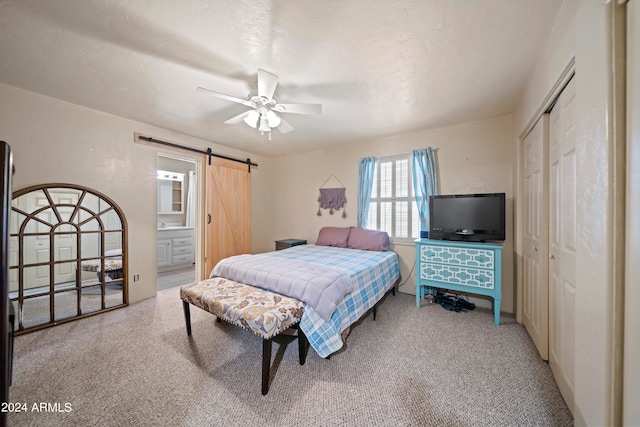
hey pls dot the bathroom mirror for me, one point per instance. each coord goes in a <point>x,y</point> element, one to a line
<point>170,192</point>
<point>67,253</point>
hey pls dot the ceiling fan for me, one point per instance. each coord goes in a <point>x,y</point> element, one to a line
<point>264,114</point>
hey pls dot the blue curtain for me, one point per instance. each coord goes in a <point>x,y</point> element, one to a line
<point>425,182</point>
<point>366,172</point>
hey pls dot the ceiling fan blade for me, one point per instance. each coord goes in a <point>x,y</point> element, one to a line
<point>284,127</point>
<point>227,97</point>
<point>267,83</point>
<point>239,118</point>
<point>299,108</point>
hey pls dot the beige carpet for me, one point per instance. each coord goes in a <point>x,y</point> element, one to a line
<point>411,367</point>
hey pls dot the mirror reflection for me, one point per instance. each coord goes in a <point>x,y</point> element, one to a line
<point>91,299</point>
<point>35,312</point>
<point>170,194</point>
<point>65,305</point>
<point>67,252</point>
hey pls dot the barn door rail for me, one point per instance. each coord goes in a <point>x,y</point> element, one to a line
<point>208,153</point>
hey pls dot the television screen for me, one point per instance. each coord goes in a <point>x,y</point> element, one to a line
<point>467,217</point>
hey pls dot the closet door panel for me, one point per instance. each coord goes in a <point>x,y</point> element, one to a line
<point>535,241</point>
<point>562,214</point>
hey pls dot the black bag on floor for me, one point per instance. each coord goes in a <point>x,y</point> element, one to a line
<point>453,302</point>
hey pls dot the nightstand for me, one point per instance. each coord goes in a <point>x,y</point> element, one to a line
<point>288,243</point>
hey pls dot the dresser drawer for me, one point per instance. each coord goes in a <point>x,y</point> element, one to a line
<point>183,241</point>
<point>464,257</point>
<point>453,275</point>
<point>183,259</point>
<point>182,250</point>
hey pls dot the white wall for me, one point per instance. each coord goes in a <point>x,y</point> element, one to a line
<point>472,157</point>
<point>558,53</point>
<point>57,142</point>
<point>581,31</point>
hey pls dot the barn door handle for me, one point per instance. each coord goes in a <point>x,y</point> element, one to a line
<point>208,218</point>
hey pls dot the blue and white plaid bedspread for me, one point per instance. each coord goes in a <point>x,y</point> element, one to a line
<point>373,274</point>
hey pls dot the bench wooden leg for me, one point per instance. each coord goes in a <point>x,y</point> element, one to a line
<point>187,316</point>
<point>266,365</point>
<point>303,346</point>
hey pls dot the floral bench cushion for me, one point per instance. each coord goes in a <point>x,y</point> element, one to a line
<point>110,264</point>
<point>261,312</point>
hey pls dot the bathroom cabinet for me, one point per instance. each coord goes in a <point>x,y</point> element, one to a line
<point>175,248</point>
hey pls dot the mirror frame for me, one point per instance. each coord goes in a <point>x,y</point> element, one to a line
<point>55,225</point>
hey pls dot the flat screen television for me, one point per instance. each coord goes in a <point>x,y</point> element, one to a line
<point>467,217</point>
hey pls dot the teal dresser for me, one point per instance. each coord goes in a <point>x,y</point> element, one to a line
<point>460,266</point>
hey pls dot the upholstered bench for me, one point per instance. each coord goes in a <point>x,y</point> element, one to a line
<point>262,312</point>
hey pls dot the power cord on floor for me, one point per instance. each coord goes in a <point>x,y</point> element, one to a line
<point>409,276</point>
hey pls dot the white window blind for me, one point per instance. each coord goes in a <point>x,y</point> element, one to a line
<point>393,207</point>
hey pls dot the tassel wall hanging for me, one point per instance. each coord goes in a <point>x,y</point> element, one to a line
<point>332,198</point>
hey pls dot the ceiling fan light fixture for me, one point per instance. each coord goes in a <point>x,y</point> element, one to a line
<point>273,119</point>
<point>252,119</point>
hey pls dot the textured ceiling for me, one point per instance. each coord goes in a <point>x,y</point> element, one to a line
<point>379,68</point>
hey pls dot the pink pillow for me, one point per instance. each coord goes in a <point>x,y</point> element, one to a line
<point>333,236</point>
<point>370,240</point>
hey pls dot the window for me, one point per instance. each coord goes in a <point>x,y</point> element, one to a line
<point>393,206</point>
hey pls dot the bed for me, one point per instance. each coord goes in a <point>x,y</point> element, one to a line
<point>364,261</point>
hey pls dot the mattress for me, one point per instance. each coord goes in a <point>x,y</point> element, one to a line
<point>373,273</point>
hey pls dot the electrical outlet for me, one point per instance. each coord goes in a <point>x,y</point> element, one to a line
<point>136,277</point>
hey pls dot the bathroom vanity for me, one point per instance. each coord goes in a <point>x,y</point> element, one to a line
<point>175,248</point>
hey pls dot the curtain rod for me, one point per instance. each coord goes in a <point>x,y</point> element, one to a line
<point>195,150</point>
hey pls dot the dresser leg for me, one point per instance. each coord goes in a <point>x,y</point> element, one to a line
<point>496,312</point>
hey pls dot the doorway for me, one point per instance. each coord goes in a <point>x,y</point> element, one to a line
<point>177,220</point>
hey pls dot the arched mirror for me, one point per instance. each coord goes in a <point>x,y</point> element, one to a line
<point>68,255</point>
